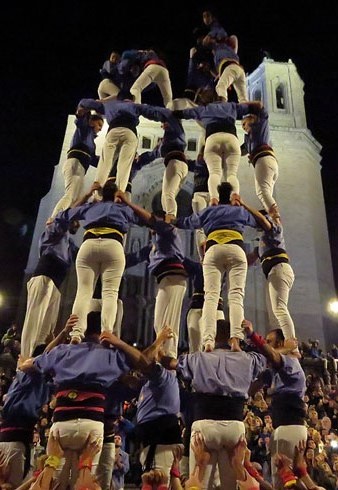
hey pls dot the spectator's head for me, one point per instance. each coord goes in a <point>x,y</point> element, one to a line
<point>326,423</point>
<point>117,440</point>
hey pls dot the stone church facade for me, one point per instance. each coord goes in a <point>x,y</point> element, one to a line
<point>298,192</point>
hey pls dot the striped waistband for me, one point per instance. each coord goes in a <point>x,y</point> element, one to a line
<point>78,151</point>
<point>226,62</point>
<point>262,151</point>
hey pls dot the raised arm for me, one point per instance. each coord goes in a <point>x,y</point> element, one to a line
<point>141,212</point>
<point>136,357</point>
<point>61,338</point>
<point>259,217</point>
<point>269,352</point>
<point>95,187</point>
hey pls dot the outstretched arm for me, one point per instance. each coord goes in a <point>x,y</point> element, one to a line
<point>269,352</point>
<point>62,336</point>
<point>259,217</point>
<point>95,187</point>
<point>135,356</point>
<point>154,349</point>
<point>141,212</point>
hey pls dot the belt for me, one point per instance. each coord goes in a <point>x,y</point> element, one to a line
<point>281,255</point>
<point>224,236</point>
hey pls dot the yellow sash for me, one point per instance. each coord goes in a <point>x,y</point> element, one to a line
<point>101,231</point>
<point>283,255</point>
<point>225,236</point>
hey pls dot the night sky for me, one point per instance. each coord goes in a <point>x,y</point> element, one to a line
<point>51,56</point>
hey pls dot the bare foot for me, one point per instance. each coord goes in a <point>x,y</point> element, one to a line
<point>75,340</point>
<point>169,218</point>
<point>234,342</point>
<point>209,347</point>
<point>235,199</point>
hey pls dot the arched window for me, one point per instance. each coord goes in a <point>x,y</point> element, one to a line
<point>280,96</point>
<point>146,143</point>
<point>257,94</point>
<point>192,145</point>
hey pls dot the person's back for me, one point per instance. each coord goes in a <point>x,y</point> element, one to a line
<point>57,252</point>
<point>220,381</point>
<point>157,425</point>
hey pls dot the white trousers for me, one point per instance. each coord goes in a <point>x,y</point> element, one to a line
<point>220,259</point>
<point>98,257</point>
<point>107,89</point>
<point>200,200</point>
<point>14,453</point>
<point>174,177</point>
<point>73,174</point>
<point>121,140</point>
<point>163,458</point>
<point>195,328</point>
<point>283,440</point>
<point>42,311</point>
<point>73,438</point>
<point>233,75</point>
<point>222,155</point>
<point>96,305</point>
<point>278,285</point>
<point>153,74</point>
<point>168,308</point>
<point>220,437</point>
<point>266,175</point>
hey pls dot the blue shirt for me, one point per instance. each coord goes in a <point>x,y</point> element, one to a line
<point>221,217</point>
<point>260,133</point>
<point>167,244</point>
<point>216,112</point>
<point>84,364</point>
<point>290,378</point>
<point>56,240</point>
<point>103,213</point>
<point>159,395</point>
<point>221,372</point>
<point>83,139</point>
<point>269,240</point>
<point>25,397</point>
<point>224,51</point>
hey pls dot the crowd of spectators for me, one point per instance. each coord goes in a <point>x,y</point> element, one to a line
<point>321,451</point>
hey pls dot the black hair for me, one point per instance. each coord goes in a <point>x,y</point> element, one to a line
<point>211,7</point>
<point>224,191</point>
<point>159,213</point>
<point>96,117</point>
<point>222,332</point>
<point>39,349</point>
<point>279,334</point>
<point>109,190</point>
<point>93,324</point>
